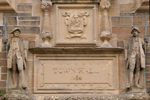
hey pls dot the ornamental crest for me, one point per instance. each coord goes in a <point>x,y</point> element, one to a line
<point>76,23</point>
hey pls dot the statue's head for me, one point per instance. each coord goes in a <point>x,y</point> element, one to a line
<point>16,32</point>
<point>135,31</point>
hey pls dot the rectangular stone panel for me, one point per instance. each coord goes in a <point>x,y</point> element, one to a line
<point>76,24</point>
<point>75,73</point>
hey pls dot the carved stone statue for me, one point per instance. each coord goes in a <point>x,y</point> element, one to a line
<point>17,58</point>
<point>135,57</point>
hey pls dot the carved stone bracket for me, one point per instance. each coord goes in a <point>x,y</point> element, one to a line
<point>106,34</point>
<point>46,33</point>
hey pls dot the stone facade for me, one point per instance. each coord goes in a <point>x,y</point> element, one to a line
<point>28,16</point>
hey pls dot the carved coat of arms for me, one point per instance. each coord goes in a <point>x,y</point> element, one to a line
<point>76,23</point>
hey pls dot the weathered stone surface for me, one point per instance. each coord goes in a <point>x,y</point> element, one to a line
<point>24,8</point>
<point>33,23</point>
<point>29,18</point>
<point>127,8</point>
<point>18,95</point>
<point>16,14</point>
<point>129,96</point>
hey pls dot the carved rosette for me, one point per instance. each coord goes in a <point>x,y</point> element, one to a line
<point>46,33</point>
<point>105,34</point>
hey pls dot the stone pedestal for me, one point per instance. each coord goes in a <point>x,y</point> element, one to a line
<point>16,94</point>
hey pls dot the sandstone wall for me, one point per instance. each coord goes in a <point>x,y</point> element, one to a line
<point>29,19</point>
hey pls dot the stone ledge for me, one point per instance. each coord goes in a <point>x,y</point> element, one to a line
<point>75,50</point>
<point>76,1</point>
<point>128,96</point>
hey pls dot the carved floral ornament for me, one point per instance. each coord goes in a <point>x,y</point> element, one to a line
<point>105,4</point>
<point>46,6</point>
<point>76,21</point>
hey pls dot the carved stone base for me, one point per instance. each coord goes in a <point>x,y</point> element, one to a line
<point>18,95</point>
<point>106,44</point>
<point>129,96</point>
<point>46,44</point>
<point>25,96</point>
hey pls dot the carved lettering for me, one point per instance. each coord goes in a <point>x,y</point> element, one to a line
<point>75,70</point>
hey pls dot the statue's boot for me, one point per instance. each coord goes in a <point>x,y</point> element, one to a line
<point>138,86</point>
<point>14,86</point>
<point>137,77</point>
<point>24,86</point>
<point>128,86</point>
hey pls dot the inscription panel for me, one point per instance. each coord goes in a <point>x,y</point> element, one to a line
<point>65,73</point>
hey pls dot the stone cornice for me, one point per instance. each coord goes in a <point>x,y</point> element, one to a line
<point>6,6</point>
<point>75,50</point>
<point>76,1</point>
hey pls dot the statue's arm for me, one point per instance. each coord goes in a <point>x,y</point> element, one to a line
<point>126,49</point>
<point>144,42</point>
<point>25,49</point>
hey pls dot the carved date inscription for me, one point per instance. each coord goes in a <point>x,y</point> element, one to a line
<point>76,72</point>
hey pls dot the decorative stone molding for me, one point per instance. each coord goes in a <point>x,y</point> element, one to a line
<point>105,35</point>
<point>46,33</point>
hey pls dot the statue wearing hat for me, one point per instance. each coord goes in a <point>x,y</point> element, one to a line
<point>135,58</point>
<point>17,58</point>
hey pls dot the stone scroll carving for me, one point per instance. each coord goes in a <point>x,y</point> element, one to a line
<point>135,59</point>
<point>17,59</point>
<point>106,34</point>
<point>46,33</point>
<point>76,23</point>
